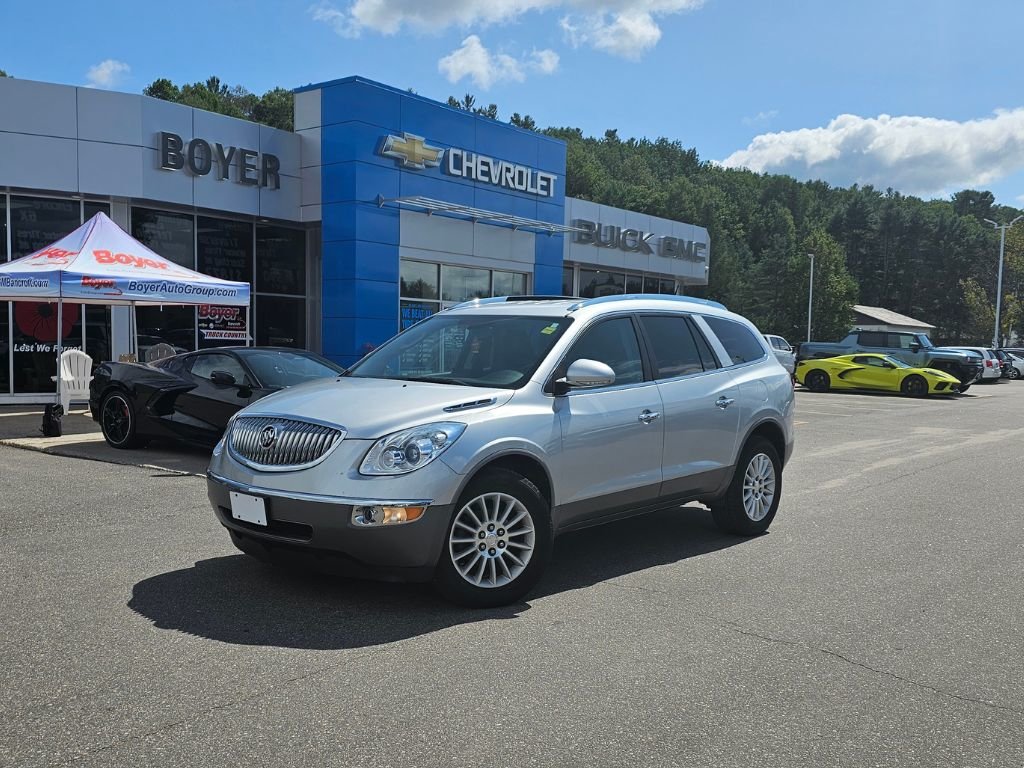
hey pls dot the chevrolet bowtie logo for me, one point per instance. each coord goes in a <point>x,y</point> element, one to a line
<point>412,151</point>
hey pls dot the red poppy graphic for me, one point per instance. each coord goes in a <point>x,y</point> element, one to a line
<point>40,320</point>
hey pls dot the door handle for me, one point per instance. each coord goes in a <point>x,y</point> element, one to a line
<point>648,416</point>
<point>724,402</point>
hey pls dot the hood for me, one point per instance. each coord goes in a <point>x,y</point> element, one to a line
<point>941,353</point>
<point>940,374</point>
<point>372,408</point>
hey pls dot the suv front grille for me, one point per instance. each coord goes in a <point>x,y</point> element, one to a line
<point>277,444</point>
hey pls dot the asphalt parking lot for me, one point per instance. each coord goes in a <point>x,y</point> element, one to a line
<point>877,624</point>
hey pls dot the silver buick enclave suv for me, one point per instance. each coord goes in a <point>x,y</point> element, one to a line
<point>459,449</point>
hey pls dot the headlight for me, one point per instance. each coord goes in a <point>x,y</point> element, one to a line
<point>410,449</point>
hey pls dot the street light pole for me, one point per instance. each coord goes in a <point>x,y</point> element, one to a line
<point>810,297</point>
<point>999,281</point>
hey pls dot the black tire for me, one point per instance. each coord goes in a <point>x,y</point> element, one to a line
<point>117,420</point>
<point>730,512</point>
<point>449,580</point>
<point>817,381</point>
<point>1014,373</point>
<point>914,386</point>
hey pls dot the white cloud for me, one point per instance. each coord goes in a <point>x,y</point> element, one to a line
<point>484,68</point>
<point>107,73</point>
<point>916,155</point>
<point>621,27</point>
<point>629,35</point>
<point>545,62</point>
<point>761,117</point>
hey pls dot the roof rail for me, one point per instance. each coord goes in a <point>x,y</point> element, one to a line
<point>504,299</point>
<point>646,296</point>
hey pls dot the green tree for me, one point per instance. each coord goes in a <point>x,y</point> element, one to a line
<point>3,74</point>
<point>273,108</point>
<point>523,121</point>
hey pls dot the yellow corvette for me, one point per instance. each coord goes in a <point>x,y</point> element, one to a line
<point>878,372</point>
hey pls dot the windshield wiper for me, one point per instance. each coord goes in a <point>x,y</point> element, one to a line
<point>435,380</point>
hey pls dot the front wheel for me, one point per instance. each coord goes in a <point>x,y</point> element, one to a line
<point>498,542</point>
<point>817,381</point>
<point>963,388</point>
<point>914,386</point>
<point>117,420</point>
<point>750,504</point>
<point>1014,373</point>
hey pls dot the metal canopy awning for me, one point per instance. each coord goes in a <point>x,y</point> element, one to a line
<point>429,205</point>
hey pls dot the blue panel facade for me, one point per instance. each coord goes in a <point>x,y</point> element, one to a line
<point>360,239</point>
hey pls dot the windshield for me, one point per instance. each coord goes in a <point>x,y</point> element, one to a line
<point>896,361</point>
<point>286,369</point>
<point>924,341</point>
<point>476,350</point>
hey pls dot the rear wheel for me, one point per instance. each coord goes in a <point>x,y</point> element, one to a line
<point>817,381</point>
<point>498,542</point>
<point>750,504</point>
<point>914,386</point>
<point>118,422</point>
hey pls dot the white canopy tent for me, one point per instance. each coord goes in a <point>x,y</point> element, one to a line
<point>99,263</point>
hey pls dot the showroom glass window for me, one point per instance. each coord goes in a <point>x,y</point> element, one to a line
<point>426,288</point>
<point>224,249</point>
<point>568,273</point>
<point>280,286</point>
<point>172,235</point>
<point>5,309</point>
<point>35,223</point>
<point>420,291</point>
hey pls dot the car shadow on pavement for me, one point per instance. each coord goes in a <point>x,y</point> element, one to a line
<point>236,599</point>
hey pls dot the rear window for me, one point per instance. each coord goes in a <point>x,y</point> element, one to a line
<point>739,342</point>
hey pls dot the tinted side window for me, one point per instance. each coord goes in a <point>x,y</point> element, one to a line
<point>672,346</point>
<point>901,340</point>
<point>205,365</point>
<point>740,344</point>
<point>872,339</point>
<point>707,356</point>
<point>614,343</point>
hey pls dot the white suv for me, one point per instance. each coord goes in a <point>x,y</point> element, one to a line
<point>456,451</point>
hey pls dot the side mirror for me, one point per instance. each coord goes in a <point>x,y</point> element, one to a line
<point>222,378</point>
<point>915,347</point>
<point>585,374</point>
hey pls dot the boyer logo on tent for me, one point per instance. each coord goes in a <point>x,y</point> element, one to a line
<point>128,260</point>
<point>105,286</point>
<point>57,257</point>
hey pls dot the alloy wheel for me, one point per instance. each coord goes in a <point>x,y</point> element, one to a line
<point>492,540</point>
<point>758,487</point>
<point>117,419</point>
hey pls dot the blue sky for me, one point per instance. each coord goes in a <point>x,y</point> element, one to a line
<point>915,94</point>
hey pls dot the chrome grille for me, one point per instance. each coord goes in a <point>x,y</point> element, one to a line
<point>275,443</point>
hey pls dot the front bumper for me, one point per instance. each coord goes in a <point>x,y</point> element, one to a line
<point>317,531</point>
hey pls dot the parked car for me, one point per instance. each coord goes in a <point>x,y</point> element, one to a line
<point>457,450</point>
<point>191,397</point>
<point>912,348</point>
<point>1005,363</point>
<point>882,373</point>
<point>783,351</point>
<point>993,366</point>
<point>1016,363</point>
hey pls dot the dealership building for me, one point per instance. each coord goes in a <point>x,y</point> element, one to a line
<point>381,208</point>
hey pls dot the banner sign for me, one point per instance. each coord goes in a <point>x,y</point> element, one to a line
<point>218,323</point>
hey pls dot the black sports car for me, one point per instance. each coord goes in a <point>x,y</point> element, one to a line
<point>191,396</point>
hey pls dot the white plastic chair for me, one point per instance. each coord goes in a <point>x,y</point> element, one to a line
<point>75,375</point>
<point>159,352</point>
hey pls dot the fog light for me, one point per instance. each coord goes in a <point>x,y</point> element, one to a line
<point>381,515</point>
